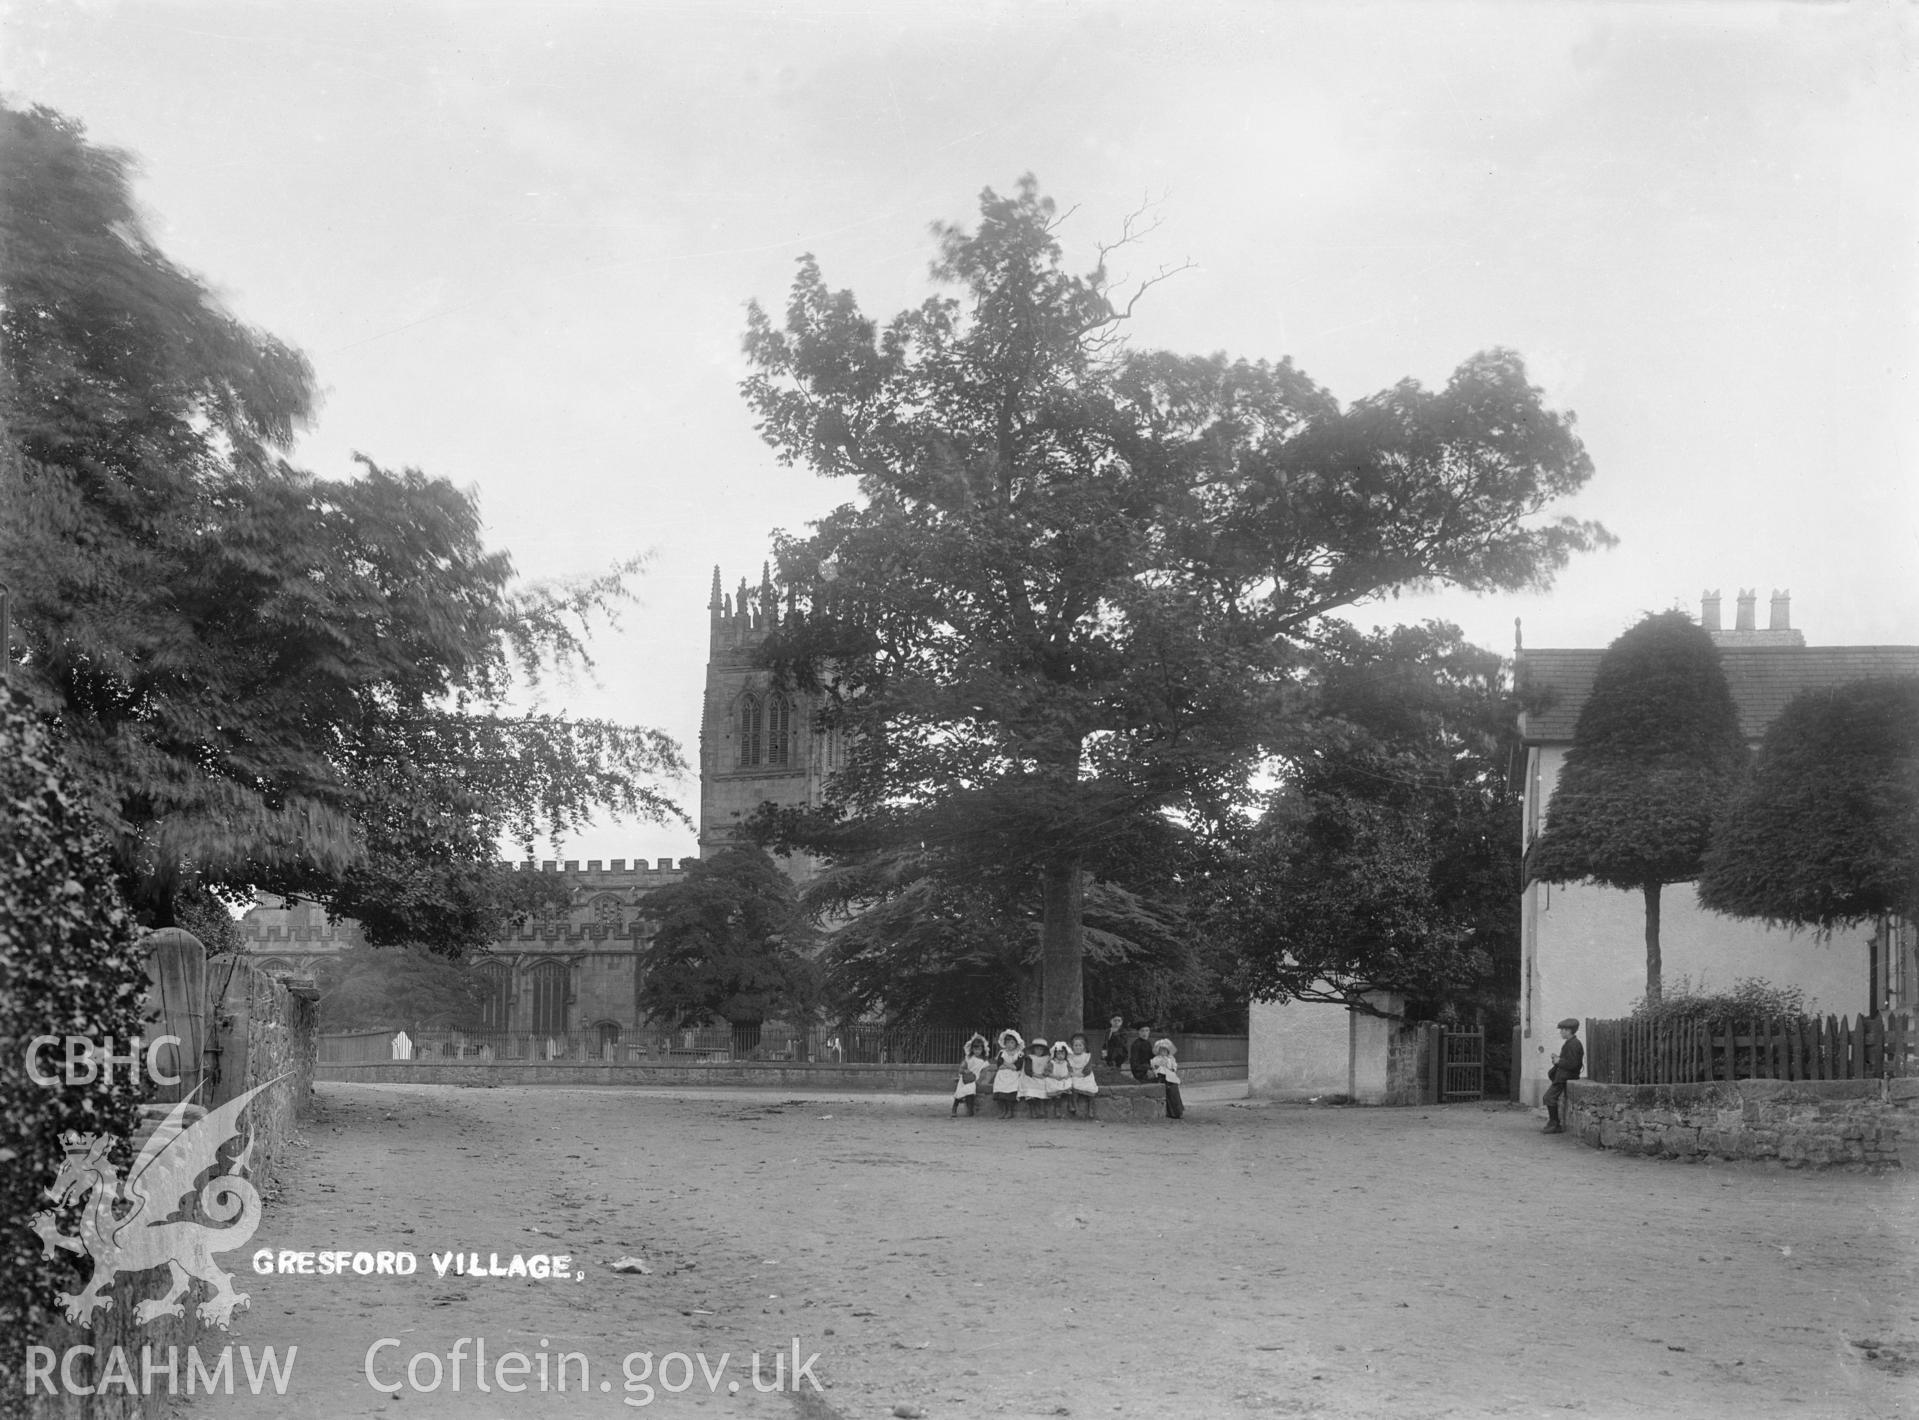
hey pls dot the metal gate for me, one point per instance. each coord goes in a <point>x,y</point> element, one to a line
<point>1458,1066</point>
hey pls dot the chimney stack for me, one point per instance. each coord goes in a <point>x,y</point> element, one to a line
<point>1748,611</point>
<point>1709,610</point>
<point>1781,610</point>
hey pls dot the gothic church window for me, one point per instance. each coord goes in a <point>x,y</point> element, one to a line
<point>749,731</point>
<point>779,731</point>
<point>496,1005</point>
<point>549,998</point>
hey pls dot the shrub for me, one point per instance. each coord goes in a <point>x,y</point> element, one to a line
<point>69,965</point>
<point>1752,999</point>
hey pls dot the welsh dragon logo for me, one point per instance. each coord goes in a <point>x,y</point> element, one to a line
<point>130,1226</point>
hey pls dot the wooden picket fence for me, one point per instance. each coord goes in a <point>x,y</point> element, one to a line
<point>1639,1052</point>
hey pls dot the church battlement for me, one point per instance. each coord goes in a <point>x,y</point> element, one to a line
<point>595,868</point>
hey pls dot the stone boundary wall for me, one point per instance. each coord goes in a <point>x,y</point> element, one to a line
<point>1797,1123</point>
<point>893,1079</point>
<point>265,1032</point>
<point>1408,1051</point>
<point>1128,1103</point>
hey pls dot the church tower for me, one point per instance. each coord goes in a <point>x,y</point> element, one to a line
<point>756,743</point>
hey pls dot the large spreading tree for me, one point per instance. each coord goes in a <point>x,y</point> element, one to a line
<point>1074,593</point>
<point>1825,832</point>
<point>1656,752</point>
<point>258,677</point>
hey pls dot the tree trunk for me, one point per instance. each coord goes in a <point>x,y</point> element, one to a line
<point>1652,944</point>
<point>1031,1001</point>
<point>1062,949</point>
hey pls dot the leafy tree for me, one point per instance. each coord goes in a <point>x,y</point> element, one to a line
<point>1077,587</point>
<point>1390,856</point>
<point>732,942</point>
<point>208,919</point>
<point>70,964</point>
<point>1656,751</point>
<point>258,677</point>
<point>436,791</point>
<point>1825,833</point>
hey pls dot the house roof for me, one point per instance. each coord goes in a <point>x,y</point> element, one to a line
<point>1554,684</point>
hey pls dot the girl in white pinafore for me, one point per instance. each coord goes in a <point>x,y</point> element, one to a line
<point>971,1063</point>
<point>1006,1079</point>
<point>1032,1080</point>
<point>1058,1073</point>
<point>1080,1083</point>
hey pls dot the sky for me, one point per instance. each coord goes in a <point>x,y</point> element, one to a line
<point>518,240</point>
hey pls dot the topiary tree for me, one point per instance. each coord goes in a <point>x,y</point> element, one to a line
<point>1826,831</point>
<point>1656,752</point>
<point>69,966</point>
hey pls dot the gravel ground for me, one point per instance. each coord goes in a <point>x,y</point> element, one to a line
<point>1251,1259</point>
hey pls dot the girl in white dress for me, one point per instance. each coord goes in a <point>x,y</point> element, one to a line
<point>971,1063</point>
<point>1032,1080</point>
<point>1058,1079</point>
<point>1080,1084</point>
<point>1006,1079</point>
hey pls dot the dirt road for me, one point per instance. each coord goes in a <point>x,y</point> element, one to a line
<point>1280,1260</point>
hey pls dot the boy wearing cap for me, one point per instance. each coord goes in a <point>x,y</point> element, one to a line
<point>1569,1066</point>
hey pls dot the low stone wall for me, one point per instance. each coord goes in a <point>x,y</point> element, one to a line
<point>1797,1123</point>
<point>1118,1102</point>
<point>264,1032</point>
<point>892,1079</point>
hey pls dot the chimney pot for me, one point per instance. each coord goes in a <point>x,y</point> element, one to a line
<point>1782,610</point>
<point>1748,611</point>
<point>1709,610</point>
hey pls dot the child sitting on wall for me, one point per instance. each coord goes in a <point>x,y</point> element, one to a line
<point>1165,1067</point>
<point>1080,1084</point>
<point>1032,1080</point>
<point>1059,1083</point>
<point>1007,1077</point>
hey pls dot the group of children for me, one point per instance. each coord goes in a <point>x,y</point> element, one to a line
<point>1055,1079</point>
